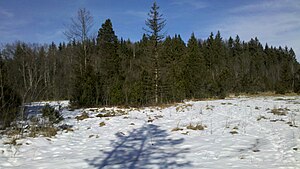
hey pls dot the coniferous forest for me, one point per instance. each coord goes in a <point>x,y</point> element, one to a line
<point>159,68</point>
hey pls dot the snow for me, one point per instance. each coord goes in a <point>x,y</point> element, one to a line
<point>143,138</point>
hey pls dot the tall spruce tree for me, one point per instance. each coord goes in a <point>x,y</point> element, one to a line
<point>110,67</point>
<point>155,24</point>
<point>194,69</point>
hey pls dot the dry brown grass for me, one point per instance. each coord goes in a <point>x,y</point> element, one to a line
<point>46,131</point>
<point>177,129</point>
<point>83,116</point>
<point>102,124</point>
<point>112,113</point>
<point>158,116</point>
<point>69,130</point>
<point>260,118</point>
<point>196,127</point>
<point>13,132</point>
<point>183,107</point>
<point>267,94</point>
<point>279,112</point>
<point>185,133</point>
<point>12,141</point>
<point>233,132</point>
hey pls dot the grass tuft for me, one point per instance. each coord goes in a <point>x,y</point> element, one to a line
<point>83,116</point>
<point>177,129</point>
<point>279,112</point>
<point>233,132</point>
<point>12,141</point>
<point>183,108</point>
<point>102,124</point>
<point>196,127</point>
<point>112,113</point>
<point>260,118</point>
<point>46,131</point>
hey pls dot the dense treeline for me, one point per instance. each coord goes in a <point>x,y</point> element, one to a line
<point>120,72</point>
<point>109,71</point>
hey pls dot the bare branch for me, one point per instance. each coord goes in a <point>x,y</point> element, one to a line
<point>80,26</point>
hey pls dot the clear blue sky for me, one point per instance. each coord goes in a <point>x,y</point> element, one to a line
<point>274,21</point>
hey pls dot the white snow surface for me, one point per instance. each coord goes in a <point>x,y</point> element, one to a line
<point>133,141</point>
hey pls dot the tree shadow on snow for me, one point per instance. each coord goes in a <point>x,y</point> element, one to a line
<point>143,148</point>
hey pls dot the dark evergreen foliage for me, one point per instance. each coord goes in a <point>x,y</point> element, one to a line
<point>10,100</point>
<point>112,71</point>
<point>155,24</point>
<point>53,115</point>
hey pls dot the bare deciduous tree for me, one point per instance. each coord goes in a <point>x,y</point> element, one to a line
<point>80,26</point>
<point>79,30</point>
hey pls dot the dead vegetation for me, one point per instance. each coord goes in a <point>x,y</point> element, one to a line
<point>292,120</point>
<point>67,128</point>
<point>261,117</point>
<point>111,113</point>
<point>177,129</point>
<point>280,111</point>
<point>210,107</point>
<point>233,132</point>
<point>235,128</point>
<point>185,133</point>
<point>183,107</point>
<point>276,120</point>
<point>46,131</point>
<point>195,127</point>
<point>158,116</point>
<point>83,116</point>
<point>102,124</point>
<point>12,141</point>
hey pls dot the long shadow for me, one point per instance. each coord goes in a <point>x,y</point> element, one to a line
<point>144,148</point>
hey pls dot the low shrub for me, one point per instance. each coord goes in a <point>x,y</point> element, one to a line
<point>47,131</point>
<point>53,115</point>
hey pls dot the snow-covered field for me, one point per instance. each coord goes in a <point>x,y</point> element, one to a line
<point>238,133</point>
